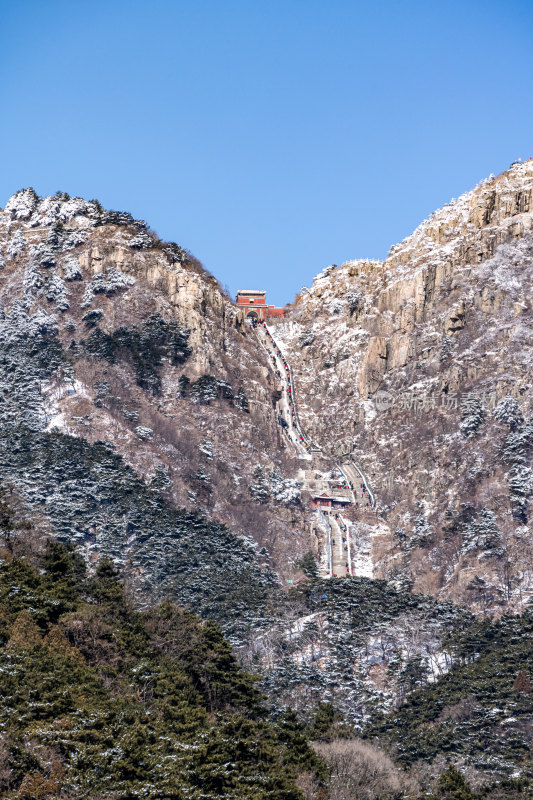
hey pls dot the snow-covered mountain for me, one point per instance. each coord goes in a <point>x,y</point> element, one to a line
<point>132,397</point>
<point>421,364</point>
<point>141,420</point>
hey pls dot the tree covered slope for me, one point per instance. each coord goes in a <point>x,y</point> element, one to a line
<point>481,711</point>
<point>99,700</point>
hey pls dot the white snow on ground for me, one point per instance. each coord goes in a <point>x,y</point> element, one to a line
<point>438,663</point>
<point>361,550</point>
<point>361,541</point>
<point>52,396</point>
<point>20,205</point>
<point>370,410</point>
<point>298,625</point>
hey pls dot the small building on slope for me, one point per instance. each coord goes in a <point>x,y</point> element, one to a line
<point>253,303</point>
<point>325,500</point>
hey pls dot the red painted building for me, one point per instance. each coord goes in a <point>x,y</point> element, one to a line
<point>254,305</point>
<point>325,500</point>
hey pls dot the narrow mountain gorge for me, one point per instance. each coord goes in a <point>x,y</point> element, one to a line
<point>343,493</point>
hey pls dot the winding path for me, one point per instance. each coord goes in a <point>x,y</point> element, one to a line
<point>288,410</point>
<point>338,545</point>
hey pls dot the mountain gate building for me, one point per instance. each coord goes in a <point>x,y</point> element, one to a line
<point>254,305</point>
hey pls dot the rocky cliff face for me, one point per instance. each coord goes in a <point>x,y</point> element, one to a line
<point>110,337</point>
<point>139,421</point>
<point>421,364</point>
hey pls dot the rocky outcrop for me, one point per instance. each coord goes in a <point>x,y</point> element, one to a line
<point>153,358</point>
<point>402,350</point>
<point>419,364</point>
<point>194,299</point>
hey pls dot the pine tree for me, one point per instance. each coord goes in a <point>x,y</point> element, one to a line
<point>473,415</point>
<point>283,490</point>
<point>161,479</point>
<point>184,384</point>
<point>240,401</point>
<point>324,718</point>
<point>421,533</point>
<point>453,785</point>
<point>508,412</point>
<point>260,489</point>
<point>106,586</point>
<point>482,533</point>
<point>71,269</point>
<point>401,537</point>
<point>308,565</point>
<point>446,349</point>
<point>16,245</point>
<point>414,673</point>
<point>355,302</point>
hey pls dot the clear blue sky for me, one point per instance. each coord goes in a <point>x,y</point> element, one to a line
<point>269,138</point>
